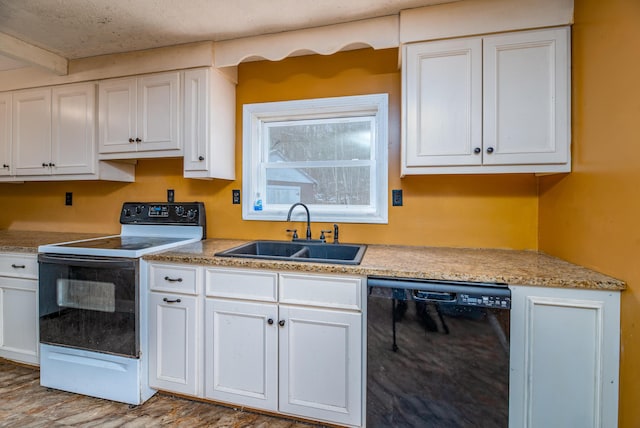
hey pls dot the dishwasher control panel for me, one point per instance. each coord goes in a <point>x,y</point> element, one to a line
<point>490,301</point>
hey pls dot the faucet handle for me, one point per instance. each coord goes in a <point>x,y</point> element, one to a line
<point>295,233</point>
<point>322,237</point>
<point>335,234</point>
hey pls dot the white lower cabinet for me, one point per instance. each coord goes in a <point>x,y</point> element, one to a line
<point>564,358</point>
<point>175,328</point>
<point>241,363</point>
<point>19,308</point>
<point>265,353</point>
<point>173,335</point>
<point>321,364</point>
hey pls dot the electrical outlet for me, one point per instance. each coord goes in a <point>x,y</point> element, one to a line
<point>396,197</point>
<point>68,198</point>
<point>170,195</point>
<point>235,196</point>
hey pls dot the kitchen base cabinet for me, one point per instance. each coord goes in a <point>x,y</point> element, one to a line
<point>175,329</point>
<point>564,357</point>
<point>285,342</point>
<point>241,353</point>
<point>19,308</point>
<point>321,364</point>
<point>173,343</point>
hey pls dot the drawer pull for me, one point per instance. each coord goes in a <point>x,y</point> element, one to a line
<point>166,278</point>
<point>15,266</point>
<point>171,301</point>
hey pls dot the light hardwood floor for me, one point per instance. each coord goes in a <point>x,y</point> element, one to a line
<point>24,403</point>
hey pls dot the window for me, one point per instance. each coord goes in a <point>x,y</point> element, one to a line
<point>328,153</point>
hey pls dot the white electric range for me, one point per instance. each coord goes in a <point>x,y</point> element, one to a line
<point>93,315</point>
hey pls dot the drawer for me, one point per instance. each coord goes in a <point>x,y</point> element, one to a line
<point>175,278</point>
<point>19,265</point>
<point>242,284</point>
<point>325,291</point>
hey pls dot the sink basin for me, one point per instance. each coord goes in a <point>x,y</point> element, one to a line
<point>301,251</point>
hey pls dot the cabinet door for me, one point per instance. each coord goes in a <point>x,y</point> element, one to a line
<point>117,116</point>
<point>32,132</point>
<point>241,354</point>
<point>173,343</point>
<point>526,98</point>
<point>442,122</point>
<point>19,320</point>
<point>5,134</point>
<point>159,112</point>
<point>321,364</point>
<point>564,358</point>
<point>73,148</point>
<point>196,129</point>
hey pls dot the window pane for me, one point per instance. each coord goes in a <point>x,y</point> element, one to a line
<point>337,139</point>
<point>324,186</point>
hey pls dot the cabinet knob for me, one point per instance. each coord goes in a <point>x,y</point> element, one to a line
<point>281,323</point>
<point>169,279</point>
<point>200,158</point>
<point>138,140</point>
<point>131,140</point>
<point>270,321</point>
<point>171,301</point>
<point>477,150</point>
<point>489,150</point>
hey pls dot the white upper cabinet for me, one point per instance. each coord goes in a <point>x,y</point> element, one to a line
<point>140,117</point>
<point>209,124</point>
<point>32,132</point>
<point>526,98</point>
<point>443,103</point>
<point>54,131</point>
<point>73,139</point>
<point>487,104</point>
<point>5,134</point>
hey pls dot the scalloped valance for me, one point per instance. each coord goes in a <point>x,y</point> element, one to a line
<point>377,33</point>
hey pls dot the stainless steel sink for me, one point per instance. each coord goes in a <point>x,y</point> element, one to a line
<point>302,251</point>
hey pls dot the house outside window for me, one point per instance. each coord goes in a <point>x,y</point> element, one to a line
<point>328,153</point>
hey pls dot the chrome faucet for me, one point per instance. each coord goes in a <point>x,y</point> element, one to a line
<point>308,217</point>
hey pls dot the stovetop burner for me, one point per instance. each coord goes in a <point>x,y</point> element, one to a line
<point>123,242</point>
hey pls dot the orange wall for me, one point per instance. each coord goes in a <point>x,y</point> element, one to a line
<point>480,211</point>
<point>592,216</point>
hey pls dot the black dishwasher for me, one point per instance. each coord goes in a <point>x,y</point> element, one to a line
<point>437,353</point>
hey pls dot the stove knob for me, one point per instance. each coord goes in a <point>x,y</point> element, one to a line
<point>127,212</point>
<point>138,209</point>
<point>191,214</point>
<point>180,210</point>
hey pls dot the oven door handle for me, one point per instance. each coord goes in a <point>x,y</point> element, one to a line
<point>88,261</point>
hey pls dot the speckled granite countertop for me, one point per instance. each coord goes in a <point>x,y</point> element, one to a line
<point>27,241</point>
<point>461,264</point>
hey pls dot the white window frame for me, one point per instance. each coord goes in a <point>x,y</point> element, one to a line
<point>257,116</point>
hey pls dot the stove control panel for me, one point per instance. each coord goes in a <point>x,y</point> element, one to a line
<point>163,213</point>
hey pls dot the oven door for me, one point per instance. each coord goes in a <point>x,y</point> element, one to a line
<point>90,303</point>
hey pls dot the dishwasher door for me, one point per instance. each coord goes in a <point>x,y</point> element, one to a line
<point>437,354</point>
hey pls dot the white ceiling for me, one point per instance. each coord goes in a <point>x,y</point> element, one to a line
<point>83,28</point>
